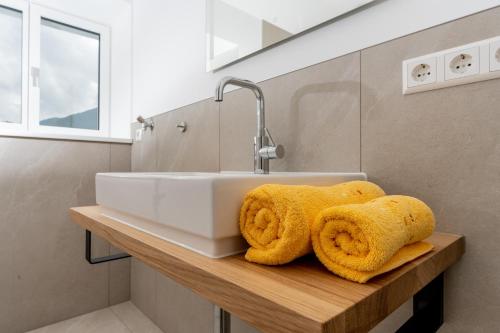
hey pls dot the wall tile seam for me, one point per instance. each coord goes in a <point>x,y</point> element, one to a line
<point>156,142</point>
<point>156,307</point>
<point>108,268</point>
<point>360,110</point>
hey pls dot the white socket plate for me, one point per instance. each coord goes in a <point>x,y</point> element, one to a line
<point>483,67</point>
<point>494,57</point>
<point>431,62</point>
<point>449,74</point>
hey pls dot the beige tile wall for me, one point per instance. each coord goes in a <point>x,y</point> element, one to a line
<point>313,112</point>
<point>44,277</point>
<point>444,147</point>
<point>348,114</point>
<point>196,149</point>
<point>143,288</point>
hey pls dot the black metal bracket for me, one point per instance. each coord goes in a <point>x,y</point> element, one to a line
<point>224,321</point>
<point>93,261</point>
<point>428,308</point>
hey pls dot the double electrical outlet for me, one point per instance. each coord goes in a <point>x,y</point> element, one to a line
<point>464,64</point>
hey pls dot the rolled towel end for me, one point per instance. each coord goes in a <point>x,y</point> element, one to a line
<point>359,241</point>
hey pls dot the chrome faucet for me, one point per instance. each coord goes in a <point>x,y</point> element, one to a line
<point>262,151</point>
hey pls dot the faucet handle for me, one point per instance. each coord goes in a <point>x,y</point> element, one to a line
<point>272,152</point>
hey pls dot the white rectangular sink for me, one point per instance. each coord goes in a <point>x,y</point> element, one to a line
<point>199,211</point>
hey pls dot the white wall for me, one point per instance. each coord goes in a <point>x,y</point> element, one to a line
<point>169,45</point>
<point>116,14</point>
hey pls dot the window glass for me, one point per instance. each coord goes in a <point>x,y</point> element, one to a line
<point>69,76</point>
<point>11,49</point>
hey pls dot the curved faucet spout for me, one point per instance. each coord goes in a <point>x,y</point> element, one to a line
<point>219,90</point>
<point>261,160</point>
<point>230,80</point>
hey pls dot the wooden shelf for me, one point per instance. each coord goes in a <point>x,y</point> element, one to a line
<point>299,297</point>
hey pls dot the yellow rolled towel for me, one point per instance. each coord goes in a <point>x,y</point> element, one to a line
<point>276,219</point>
<point>360,241</point>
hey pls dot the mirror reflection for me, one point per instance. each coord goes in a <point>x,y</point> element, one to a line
<point>238,28</point>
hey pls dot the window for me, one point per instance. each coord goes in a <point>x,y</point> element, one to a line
<point>69,76</point>
<point>13,65</point>
<point>67,84</point>
<point>11,50</point>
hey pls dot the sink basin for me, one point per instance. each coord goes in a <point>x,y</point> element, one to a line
<point>199,211</point>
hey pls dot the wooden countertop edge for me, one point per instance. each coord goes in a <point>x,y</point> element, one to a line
<point>412,279</point>
<point>171,261</point>
<point>173,267</point>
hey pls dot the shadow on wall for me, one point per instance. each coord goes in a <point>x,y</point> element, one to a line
<point>344,87</point>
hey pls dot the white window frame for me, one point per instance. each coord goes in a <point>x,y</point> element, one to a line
<point>30,117</point>
<point>38,12</point>
<point>22,6</point>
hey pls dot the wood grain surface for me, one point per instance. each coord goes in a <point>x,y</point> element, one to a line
<point>299,297</point>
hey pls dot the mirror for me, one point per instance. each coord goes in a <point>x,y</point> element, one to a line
<point>239,28</point>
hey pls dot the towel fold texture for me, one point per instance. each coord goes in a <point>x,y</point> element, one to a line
<point>360,241</point>
<point>276,219</point>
